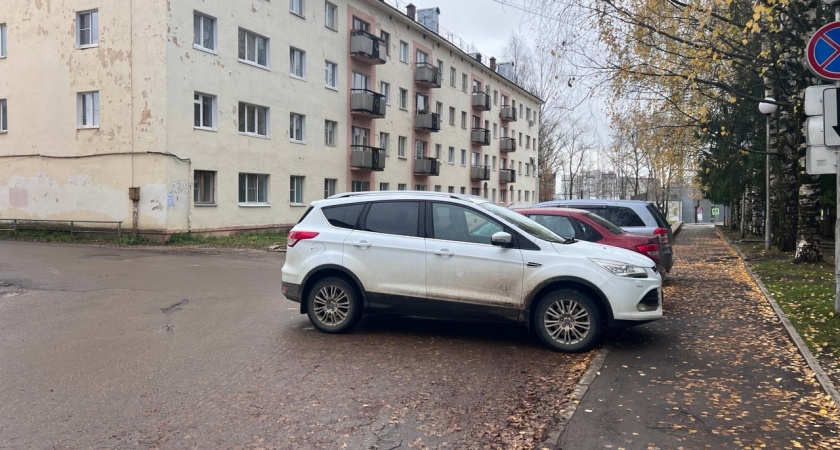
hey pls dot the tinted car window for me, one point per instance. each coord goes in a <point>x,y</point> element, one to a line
<point>605,223</point>
<point>657,215</point>
<point>587,232</point>
<point>344,216</point>
<point>393,218</point>
<point>625,217</point>
<point>457,223</point>
<point>558,224</point>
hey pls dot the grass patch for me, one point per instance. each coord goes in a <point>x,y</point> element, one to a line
<point>805,292</point>
<point>64,236</point>
<point>248,240</point>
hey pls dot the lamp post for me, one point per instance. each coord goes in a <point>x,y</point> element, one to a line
<point>767,107</point>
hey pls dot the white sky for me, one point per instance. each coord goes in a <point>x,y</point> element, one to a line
<point>485,24</point>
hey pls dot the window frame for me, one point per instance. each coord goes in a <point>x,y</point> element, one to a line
<point>297,191</point>
<point>266,114</point>
<point>3,37</point>
<point>82,110</point>
<point>300,6</point>
<point>297,136</point>
<point>330,185</point>
<point>330,75</point>
<point>200,36</point>
<point>385,89</point>
<point>4,115</point>
<point>93,30</point>
<point>402,142</point>
<point>329,134</point>
<point>197,103</point>
<point>199,184</point>
<point>334,9</point>
<point>403,100</point>
<point>243,32</point>
<point>263,181</point>
<point>404,52</point>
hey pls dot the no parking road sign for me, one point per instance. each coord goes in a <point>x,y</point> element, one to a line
<point>823,52</point>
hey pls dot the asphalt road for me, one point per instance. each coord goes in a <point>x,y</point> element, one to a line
<point>173,348</point>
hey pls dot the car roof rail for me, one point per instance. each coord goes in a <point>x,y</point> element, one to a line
<point>406,193</point>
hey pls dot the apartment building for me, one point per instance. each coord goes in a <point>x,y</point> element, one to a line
<point>225,115</point>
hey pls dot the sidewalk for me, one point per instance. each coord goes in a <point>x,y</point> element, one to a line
<point>719,371</point>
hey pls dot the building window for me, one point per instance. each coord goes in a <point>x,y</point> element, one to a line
<point>419,148</point>
<point>87,29</point>
<point>451,157</point>
<point>297,63</point>
<point>204,187</point>
<point>463,157</point>
<point>296,7</point>
<point>331,75</point>
<point>495,130</point>
<point>4,121</point>
<point>495,97</point>
<point>384,186</point>
<point>419,187</point>
<point>404,52</point>
<point>329,187</point>
<point>440,67</point>
<point>297,127</point>
<point>464,120</point>
<point>464,82</point>
<point>359,24</point>
<point>253,48</point>
<point>527,197</point>
<point>360,136</point>
<point>451,189</point>
<point>2,40</point>
<point>403,98</point>
<point>453,74</point>
<point>204,111</point>
<point>385,89</point>
<point>401,141</point>
<point>253,189</point>
<point>296,190</point>
<point>437,150</point>
<point>463,190</point>
<point>204,28</point>
<point>386,38</point>
<point>329,133</point>
<point>359,186</point>
<point>503,196</point>
<point>451,116</point>
<point>421,57</point>
<point>87,109</point>
<point>253,120</point>
<point>494,163</point>
<point>385,143</point>
<point>401,186</point>
<point>330,16</point>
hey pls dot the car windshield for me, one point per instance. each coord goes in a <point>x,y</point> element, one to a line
<point>605,223</point>
<point>524,223</point>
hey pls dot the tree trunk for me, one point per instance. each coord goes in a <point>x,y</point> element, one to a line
<point>809,239</point>
<point>756,211</point>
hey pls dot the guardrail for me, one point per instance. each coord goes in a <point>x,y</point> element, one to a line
<point>16,225</point>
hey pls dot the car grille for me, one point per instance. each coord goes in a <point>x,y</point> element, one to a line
<point>650,300</point>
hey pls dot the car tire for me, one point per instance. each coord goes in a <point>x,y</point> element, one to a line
<point>568,321</point>
<point>333,305</point>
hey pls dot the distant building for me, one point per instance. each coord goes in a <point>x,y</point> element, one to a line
<point>227,115</point>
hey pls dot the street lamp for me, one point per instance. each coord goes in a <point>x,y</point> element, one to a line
<point>767,107</point>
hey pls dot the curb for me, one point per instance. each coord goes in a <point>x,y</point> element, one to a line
<point>819,373</point>
<point>552,440</point>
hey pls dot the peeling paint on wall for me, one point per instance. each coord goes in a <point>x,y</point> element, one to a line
<point>45,197</point>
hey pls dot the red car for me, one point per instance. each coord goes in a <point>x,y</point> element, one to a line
<point>587,226</point>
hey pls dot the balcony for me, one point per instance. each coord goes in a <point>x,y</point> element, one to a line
<point>367,47</point>
<point>367,157</point>
<point>507,176</point>
<point>366,103</point>
<point>426,166</point>
<point>480,136</point>
<point>507,144</point>
<point>426,121</point>
<point>507,113</point>
<point>480,172</point>
<point>481,101</point>
<point>427,75</point>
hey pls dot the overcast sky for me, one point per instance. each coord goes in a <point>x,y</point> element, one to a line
<point>485,24</point>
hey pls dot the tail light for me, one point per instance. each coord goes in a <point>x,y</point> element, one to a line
<point>663,234</point>
<point>649,250</point>
<point>297,236</point>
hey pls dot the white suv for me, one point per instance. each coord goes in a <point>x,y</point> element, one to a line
<point>461,257</point>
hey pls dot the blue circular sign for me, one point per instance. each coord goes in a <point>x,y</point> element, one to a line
<point>823,52</point>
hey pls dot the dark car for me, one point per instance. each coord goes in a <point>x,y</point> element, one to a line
<point>587,226</point>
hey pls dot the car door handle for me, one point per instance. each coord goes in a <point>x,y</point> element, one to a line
<point>444,252</point>
<point>533,264</point>
<point>362,244</point>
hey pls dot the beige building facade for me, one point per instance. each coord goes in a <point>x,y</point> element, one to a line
<point>226,115</point>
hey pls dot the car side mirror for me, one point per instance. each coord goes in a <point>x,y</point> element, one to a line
<point>502,239</point>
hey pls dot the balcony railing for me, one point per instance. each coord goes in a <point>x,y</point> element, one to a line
<point>426,121</point>
<point>481,101</point>
<point>480,136</point>
<point>427,166</point>
<point>508,113</point>
<point>507,144</point>
<point>367,47</point>
<point>364,102</point>
<point>480,172</point>
<point>367,157</point>
<point>427,75</point>
<point>507,176</point>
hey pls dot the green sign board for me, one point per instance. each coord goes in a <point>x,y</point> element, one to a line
<point>715,211</point>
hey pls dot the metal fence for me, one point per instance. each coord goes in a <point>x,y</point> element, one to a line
<point>75,226</point>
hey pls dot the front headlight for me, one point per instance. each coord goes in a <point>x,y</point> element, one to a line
<point>621,269</point>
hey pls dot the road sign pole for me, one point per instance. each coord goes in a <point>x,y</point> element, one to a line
<point>836,204</point>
